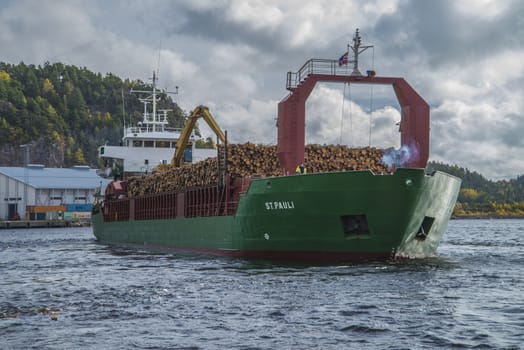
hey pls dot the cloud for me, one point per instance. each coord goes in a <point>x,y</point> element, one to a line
<point>333,118</point>
<point>479,137</point>
<point>38,32</point>
<point>467,61</point>
<point>254,122</point>
<point>446,33</point>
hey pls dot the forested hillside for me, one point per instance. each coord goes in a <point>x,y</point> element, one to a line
<point>65,112</point>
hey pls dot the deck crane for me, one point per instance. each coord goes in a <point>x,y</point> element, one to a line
<point>198,112</point>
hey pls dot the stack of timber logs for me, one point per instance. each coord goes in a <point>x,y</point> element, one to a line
<point>245,160</point>
<point>326,158</point>
<point>248,159</point>
<point>168,178</point>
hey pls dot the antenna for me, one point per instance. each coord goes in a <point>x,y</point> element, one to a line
<point>154,97</point>
<point>123,111</point>
<point>158,62</point>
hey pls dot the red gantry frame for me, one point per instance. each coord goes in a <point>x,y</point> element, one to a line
<point>291,122</point>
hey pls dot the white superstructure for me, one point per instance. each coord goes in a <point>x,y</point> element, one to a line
<point>149,143</point>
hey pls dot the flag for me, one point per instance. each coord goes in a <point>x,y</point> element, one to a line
<point>343,59</point>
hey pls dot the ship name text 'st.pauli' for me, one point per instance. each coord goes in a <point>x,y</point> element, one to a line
<point>280,205</point>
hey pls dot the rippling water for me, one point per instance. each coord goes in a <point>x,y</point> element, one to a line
<point>60,289</point>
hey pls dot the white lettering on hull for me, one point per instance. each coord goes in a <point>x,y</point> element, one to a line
<point>280,205</point>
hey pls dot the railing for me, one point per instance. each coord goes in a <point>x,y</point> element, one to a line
<point>199,202</point>
<point>116,210</point>
<point>316,66</point>
<point>151,128</point>
<point>156,206</point>
<point>202,202</point>
<point>229,208</point>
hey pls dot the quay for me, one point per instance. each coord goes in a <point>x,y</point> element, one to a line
<point>39,223</point>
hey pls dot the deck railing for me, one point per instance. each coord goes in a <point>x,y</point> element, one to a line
<point>199,202</point>
<point>316,66</point>
<point>116,210</point>
<point>156,206</point>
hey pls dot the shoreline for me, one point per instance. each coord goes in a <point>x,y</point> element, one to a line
<point>490,217</point>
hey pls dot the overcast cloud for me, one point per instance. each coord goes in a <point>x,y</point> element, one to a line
<point>466,58</point>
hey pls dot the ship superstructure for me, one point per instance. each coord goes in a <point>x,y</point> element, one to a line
<point>149,143</point>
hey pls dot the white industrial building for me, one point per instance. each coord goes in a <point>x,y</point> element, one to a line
<point>33,188</point>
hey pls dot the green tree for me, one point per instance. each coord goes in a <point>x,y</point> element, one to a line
<point>78,157</point>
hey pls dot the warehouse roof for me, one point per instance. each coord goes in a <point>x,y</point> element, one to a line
<point>37,176</point>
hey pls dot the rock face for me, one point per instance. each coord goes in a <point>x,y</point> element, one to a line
<point>246,160</point>
<point>40,152</point>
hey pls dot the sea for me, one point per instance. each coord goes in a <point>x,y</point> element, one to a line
<point>61,289</point>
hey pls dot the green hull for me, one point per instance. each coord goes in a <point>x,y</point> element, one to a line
<point>341,216</point>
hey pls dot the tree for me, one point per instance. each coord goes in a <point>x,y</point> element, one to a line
<point>78,157</point>
<point>207,143</point>
<point>468,195</point>
<point>4,76</point>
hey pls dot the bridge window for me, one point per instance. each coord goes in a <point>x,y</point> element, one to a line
<point>162,144</point>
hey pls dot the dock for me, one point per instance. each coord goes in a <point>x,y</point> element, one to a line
<point>38,223</point>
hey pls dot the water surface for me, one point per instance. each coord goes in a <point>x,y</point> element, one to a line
<point>469,297</point>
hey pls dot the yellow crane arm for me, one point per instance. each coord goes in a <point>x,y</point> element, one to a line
<point>200,111</point>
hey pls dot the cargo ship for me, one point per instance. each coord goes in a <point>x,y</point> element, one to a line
<point>334,216</point>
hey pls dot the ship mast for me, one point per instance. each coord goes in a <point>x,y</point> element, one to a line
<point>153,120</point>
<point>154,100</point>
<point>357,49</point>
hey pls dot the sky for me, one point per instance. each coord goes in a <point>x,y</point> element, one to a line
<point>466,58</point>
